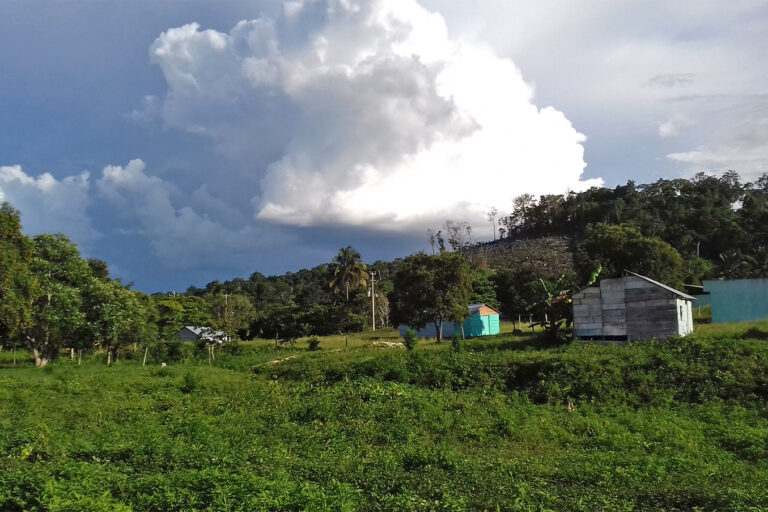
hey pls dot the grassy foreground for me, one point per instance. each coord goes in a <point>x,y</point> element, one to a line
<point>502,425</point>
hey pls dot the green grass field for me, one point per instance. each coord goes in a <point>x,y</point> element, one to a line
<point>505,424</point>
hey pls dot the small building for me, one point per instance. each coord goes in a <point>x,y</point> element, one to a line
<point>195,333</point>
<point>634,307</point>
<point>483,321</point>
<point>738,300</point>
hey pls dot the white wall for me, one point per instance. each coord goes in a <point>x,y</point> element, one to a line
<point>685,320</point>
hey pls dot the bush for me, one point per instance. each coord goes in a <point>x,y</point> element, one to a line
<point>314,343</point>
<point>410,339</point>
<point>233,347</point>
<point>189,383</point>
<point>169,351</point>
<point>456,342</point>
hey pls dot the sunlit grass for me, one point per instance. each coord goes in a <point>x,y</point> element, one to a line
<point>734,330</point>
<point>507,423</point>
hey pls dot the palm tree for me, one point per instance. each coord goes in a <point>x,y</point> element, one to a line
<point>731,263</point>
<point>758,262</point>
<point>348,271</point>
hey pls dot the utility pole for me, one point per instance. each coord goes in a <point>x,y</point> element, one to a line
<point>373,300</point>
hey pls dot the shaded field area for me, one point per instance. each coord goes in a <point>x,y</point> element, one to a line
<point>505,423</point>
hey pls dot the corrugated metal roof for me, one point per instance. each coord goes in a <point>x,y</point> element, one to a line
<point>474,308</point>
<point>203,331</point>
<point>661,285</point>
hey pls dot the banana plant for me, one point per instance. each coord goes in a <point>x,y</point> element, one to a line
<point>557,302</point>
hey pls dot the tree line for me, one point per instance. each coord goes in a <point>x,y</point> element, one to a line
<point>676,231</point>
<point>717,224</point>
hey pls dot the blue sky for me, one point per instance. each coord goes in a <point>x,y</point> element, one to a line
<point>189,141</point>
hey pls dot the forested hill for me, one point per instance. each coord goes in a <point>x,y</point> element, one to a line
<point>705,216</point>
<point>677,231</point>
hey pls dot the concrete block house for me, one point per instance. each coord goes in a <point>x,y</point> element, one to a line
<point>633,307</point>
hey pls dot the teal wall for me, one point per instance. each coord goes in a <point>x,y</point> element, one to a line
<point>474,326</point>
<point>478,325</point>
<point>738,300</point>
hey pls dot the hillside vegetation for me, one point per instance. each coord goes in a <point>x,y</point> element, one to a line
<point>504,423</point>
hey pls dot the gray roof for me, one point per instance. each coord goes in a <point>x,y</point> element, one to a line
<point>202,331</point>
<point>661,285</point>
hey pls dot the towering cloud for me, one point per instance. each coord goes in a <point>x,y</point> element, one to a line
<point>365,112</point>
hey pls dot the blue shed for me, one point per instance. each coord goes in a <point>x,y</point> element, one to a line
<point>738,300</point>
<point>483,321</point>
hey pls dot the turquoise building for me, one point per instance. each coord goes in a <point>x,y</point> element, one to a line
<point>738,300</point>
<point>483,321</point>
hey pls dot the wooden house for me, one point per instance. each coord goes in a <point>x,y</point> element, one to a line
<point>483,321</point>
<point>634,307</point>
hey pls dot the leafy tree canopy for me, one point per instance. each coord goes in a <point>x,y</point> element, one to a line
<point>431,289</point>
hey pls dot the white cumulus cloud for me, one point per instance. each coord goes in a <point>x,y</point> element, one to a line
<point>178,234</point>
<point>49,205</point>
<point>365,112</point>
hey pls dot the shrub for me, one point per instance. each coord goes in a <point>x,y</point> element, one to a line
<point>456,342</point>
<point>189,383</point>
<point>314,343</point>
<point>233,347</point>
<point>410,339</point>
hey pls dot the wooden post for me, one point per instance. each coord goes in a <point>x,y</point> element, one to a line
<point>373,300</point>
<point>144,363</point>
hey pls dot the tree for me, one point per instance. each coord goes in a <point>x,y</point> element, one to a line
<point>431,289</point>
<point>53,295</point>
<point>116,317</point>
<point>279,321</point>
<point>432,239</point>
<point>57,321</point>
<point>492,214</point>
<point>459,234</point>
<point>170,317</point>
<point>99,268</point>
<point>732,264</point>
<point>231,313</point>
<point>623,247</point>
<point>556,301</point>
<point>483,291</point>
<point>758,262</point>
<point>15,278</point>
<point>348,271</point>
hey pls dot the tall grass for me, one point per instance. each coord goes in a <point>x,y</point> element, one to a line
<point>508,423</point>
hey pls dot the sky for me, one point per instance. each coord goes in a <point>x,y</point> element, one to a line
<point>188,141</point>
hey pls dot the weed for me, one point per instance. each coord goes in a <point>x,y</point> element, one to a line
<point>411,339</point>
